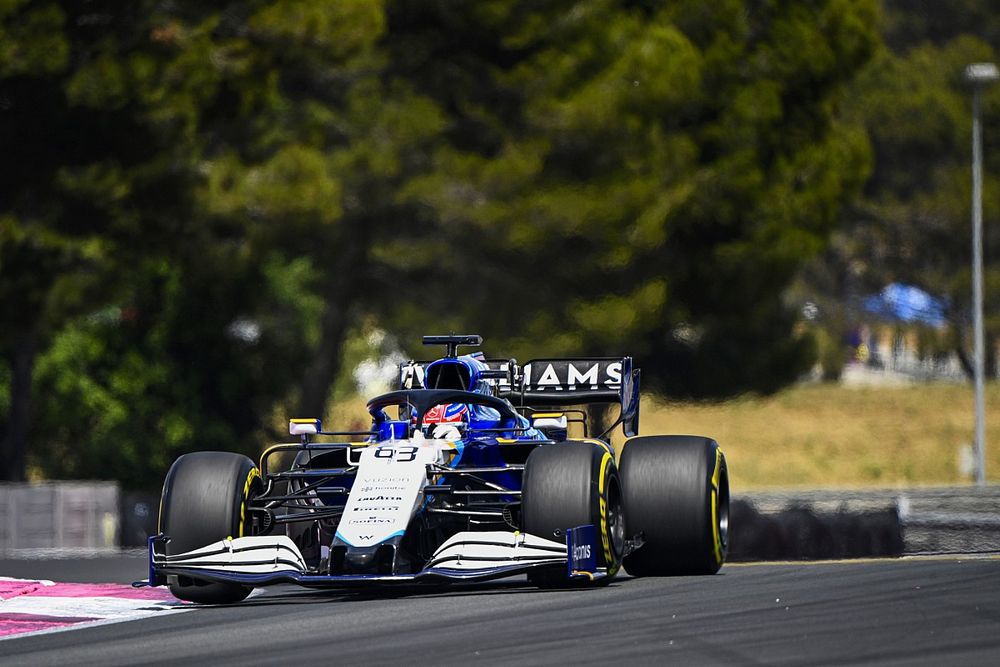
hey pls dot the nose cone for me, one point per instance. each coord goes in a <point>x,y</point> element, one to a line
<point>379,559</point>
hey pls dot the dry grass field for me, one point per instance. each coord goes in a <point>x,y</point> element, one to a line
<point>821,436</point>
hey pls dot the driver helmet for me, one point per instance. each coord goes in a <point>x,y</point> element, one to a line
<point>444,421</point>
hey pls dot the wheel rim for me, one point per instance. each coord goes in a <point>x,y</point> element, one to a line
<point>722,509</point>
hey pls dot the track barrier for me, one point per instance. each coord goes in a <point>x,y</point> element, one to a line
<point>809,525</point>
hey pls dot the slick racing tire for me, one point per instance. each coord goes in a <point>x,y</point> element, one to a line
<point>204,500</point>
<point>572,484</point>
<point>676,490</point>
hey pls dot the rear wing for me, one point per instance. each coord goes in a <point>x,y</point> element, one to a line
<point>557,382</point>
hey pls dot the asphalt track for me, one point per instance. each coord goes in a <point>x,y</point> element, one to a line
<point>914,611</point>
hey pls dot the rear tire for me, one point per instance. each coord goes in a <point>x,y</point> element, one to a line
<point>676,490</point>
<point>204,500</point>
<point>568,485</point>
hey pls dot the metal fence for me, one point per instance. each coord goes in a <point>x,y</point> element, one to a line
<point>59,515</point>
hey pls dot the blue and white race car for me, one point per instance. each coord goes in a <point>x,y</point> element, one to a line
<point>467,473</point>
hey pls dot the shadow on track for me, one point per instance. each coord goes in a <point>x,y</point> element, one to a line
<point>288,594</point>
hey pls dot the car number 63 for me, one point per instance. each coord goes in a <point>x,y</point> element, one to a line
<point>399,454</point>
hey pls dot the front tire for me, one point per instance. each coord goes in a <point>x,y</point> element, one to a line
<point>568,485</point>
<point>676,490</point>
<point>204,500</point>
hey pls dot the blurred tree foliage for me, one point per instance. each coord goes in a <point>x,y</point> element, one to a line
<point>643,180</point>
<point>211,170</point>
<point>911,223</point>
<point>200,199</point>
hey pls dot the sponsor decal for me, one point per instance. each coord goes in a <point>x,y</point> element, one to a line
<point>387,490</point>
<point>573,375</point>
<point>581,543</point>
<point>411,376</point>
<point>382,485</point>
<point>555,375</point>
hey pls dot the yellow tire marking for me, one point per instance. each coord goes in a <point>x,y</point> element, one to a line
<point>253,474</point>
<point>717,538</point>
<point>605,535</point>
<point>600,483</point>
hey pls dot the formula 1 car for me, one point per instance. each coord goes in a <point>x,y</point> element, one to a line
<point>467,473</point>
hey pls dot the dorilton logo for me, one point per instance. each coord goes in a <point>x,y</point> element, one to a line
<point>374,488</point>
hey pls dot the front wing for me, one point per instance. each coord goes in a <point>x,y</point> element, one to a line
<point>466,556</point>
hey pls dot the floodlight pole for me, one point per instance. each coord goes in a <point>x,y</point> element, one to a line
<point>979,75</point>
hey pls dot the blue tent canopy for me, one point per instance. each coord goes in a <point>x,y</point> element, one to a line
<point>906,303</point>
